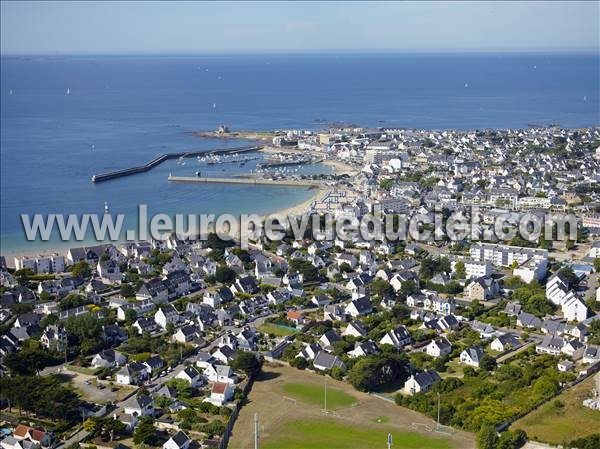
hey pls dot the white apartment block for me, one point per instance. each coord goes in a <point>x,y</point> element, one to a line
<point>505,255</point>
<point>473,268</point>
<point>534,202</point>
<point>41,265</point>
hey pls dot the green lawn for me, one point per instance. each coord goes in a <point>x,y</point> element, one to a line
<point>556,424</point>
<point>313,434</point>
<point>315,394</point>
<point>278,331</point>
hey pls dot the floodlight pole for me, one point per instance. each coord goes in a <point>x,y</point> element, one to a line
<point>438,412</point>
<point>256,431</point>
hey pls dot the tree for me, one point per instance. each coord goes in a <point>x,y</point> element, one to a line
<point>23,275</point>
<point>182,386</point>
<point>130,315</point>
<point>487,362</point>
<point>345,267</point>
<point>376,372</point>
<point>43,395</point>
<point>409,288</point>
<point>512,439</point>
<point>308,270</point>
<point>597,264</point>
<point>81,270</point>
<point>170,328</point>
<point>590,442</point>
<point>224,275</point>
<point>459,270</point>
<point>430,267</point>
<point>475,309</point>
<point>127,290</point>
<point>30,360</point>
<point>113,427</point>
<point>246,362</point>
<point>381,288</point>
<point>92,425</point>
<point>144,431</point>
<point>487,438</point>
<point>299,362</point>
<point>386,184</point>
<point>337,372</point>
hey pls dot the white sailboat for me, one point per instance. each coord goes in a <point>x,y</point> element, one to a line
<point>68,91</point>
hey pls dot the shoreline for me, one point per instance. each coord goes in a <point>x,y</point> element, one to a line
<point>338,167</point>
<point>9,255</point>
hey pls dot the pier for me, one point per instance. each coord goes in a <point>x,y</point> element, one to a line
<point>248,180</point>
<point>284,163</point>
<point>163,157</point>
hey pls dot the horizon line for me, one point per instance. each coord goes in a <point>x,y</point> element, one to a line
<point>441,52</point>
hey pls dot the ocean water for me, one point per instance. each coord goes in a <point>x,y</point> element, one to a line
<point>123,111</point>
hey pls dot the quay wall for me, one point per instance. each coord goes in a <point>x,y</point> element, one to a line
<point>240,180</point>
<point>163,157</point>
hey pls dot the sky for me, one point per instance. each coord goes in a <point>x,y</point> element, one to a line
<point>54,27</point>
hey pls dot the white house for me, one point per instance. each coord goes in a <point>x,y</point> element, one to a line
<point>438,347</point>
<point>573,308</point>
<point>324,361</point>
<point>108,358</point>
<point>359,307</point>
<point>472,356</point>
<point>354,329</point>
<point>10,442</point>
<point>109,271</point>
<point>178,441</point>
<point>421,382</point>
<point>139,405</point>
<point>132,374</point>
<point>219,373</point>
<point>505,342</point>
<point>190,375</point>
<point>363,349</point>
<point>398,337</point>
<point>557,288</point>
<point>220,393</point>
<point>166,315</point>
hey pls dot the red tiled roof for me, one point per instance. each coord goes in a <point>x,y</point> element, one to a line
<point>21,430</point>
<point>219,387</point>
<point>35,434</point>
<point>294,314</point>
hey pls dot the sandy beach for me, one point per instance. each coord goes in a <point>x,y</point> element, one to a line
<point>9,255</point>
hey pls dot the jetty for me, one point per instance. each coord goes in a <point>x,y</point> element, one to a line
<point>163,157</point>
<point>284,163</point>
<point>248,180</point>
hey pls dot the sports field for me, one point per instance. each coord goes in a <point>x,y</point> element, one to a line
<point>316,395</point>
<point>290,402</point>
<point>326,433</point>
<point>278,331</point>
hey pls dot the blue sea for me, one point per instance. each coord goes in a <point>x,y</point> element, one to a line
<point>123,111</point>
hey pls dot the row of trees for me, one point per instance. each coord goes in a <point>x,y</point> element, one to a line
<point>43,396</point>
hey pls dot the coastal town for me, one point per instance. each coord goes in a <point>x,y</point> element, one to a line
<point>202,344</point>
